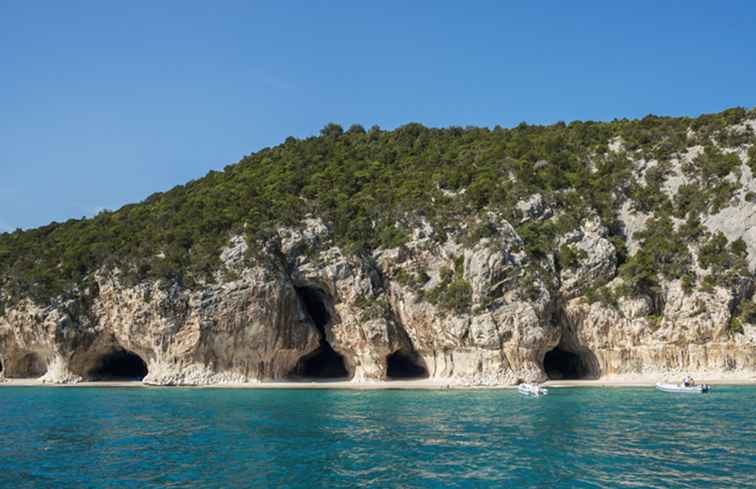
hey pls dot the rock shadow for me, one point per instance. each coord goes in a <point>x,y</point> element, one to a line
<point>562,364</point>
<point>324,363</point>
<point>119,365</point>
<point>402,365</point>
<point>30,365</point>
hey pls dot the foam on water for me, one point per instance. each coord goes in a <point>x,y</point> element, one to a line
<point>214,438</point>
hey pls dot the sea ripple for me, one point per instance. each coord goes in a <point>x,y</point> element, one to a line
<point>216,438</point>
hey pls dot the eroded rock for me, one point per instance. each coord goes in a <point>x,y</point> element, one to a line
<point>471,313</point>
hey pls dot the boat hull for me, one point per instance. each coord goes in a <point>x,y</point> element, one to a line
<point>532,390</point>
<point>681,389</point>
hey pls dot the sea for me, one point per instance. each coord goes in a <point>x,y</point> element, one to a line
<point>235,438</point>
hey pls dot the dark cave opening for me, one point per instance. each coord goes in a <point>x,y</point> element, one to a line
<point>314,303</point>
<point>401,366</point>
<point>565,365</point>
<point>119,364</point>
<point>325,362</point>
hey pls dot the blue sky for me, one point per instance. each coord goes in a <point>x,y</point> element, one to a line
<point>104,103</point>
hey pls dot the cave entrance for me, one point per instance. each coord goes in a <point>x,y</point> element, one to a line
<point>401,365</point>
<point>30,365</point>
<point>325,362</point>
<point>119,364</point>
<point>561,364</point>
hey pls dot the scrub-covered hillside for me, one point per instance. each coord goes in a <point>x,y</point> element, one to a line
<point>471,252</point>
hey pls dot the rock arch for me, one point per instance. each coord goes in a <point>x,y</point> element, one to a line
<point>324,363</point>
<point>402,365</point>
<point>116,364</point>
<point>562,363</point>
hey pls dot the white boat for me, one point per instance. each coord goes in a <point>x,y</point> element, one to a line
<point>532,389</point>
<point>680,388</point>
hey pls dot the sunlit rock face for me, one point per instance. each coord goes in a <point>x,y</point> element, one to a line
<point>462,312</point>
<point>252,329</point>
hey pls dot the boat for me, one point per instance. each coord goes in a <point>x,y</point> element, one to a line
<point>532,389</point>
<point>683,389</point>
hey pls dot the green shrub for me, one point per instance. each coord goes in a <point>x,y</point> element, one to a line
<point>569,257</point>
<point>736,326</point>
<point>746,311</point>
<point>538,237</point>
<point>650,196</point>
<point>710,190</point>
<point>603,295</point>
<point>392,236</point>
<point>362,183</point>
<point>752,159</point>
<point>453,293</point>
<point>664,254</point>
<point>692,230</point>
<point>725,261</point>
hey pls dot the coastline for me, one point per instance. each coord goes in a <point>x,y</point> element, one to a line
<point>646,380</point>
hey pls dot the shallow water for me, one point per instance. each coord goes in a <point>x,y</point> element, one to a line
<point>217,438</point>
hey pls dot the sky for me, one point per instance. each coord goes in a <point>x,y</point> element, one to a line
<point>105,103</point>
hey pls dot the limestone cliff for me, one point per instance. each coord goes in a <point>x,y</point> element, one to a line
<point>468,301</point>
<point>305,310</point>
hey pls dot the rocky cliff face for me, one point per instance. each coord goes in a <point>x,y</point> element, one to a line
<point>301,309</point>
<point>519,291</point>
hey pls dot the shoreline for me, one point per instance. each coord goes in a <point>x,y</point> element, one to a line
<point>422,384</point>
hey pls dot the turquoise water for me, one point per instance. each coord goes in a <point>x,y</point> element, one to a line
<point>213,438</point>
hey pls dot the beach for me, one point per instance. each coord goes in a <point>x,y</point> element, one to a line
<point>639,380</point>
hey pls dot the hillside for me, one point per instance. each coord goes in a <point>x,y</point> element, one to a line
<point>454,240</point>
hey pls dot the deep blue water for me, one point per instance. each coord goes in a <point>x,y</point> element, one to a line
<point>218,438</point>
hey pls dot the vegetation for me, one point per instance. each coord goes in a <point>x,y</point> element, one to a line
<point>663,253</point>
<point>710,189</point>
<point>569,257</point>
<point>603,295</point>
<point>752,159</point>
<point>726,261</point>
<point>746,311</point>
<point>453,293</point>
<point>370,185</point>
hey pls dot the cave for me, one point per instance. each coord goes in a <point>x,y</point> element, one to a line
<point>119,364</point>
<point>401,365</point>
<point>1,365</point>
<point>561,364</point>
<point>314,302</point>
<point>325,362</point>
<point>30,365</point>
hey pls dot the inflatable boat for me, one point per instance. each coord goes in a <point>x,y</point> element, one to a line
<point>532,389</point>
<point>683,389</point>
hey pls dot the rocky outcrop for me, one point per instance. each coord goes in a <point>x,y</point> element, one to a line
<point>249,329</point>
<point>692,334</point>
<point>480,313</point>
<point>596,261</point>
<point>304,309</point>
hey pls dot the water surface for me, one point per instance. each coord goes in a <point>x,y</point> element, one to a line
<point>218,438</point>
